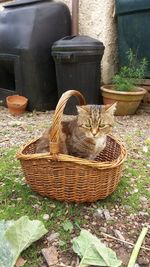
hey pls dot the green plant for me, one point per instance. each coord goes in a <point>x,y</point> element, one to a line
<point>130,75</point>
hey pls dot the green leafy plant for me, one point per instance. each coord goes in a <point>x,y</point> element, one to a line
<point>93,252</point>
<point>130,75</point>
<point>67,226</point>
<point>16,236</point>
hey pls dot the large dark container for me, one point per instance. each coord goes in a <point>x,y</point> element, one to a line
<point>28,28</point>
<point>77,61</point>
<point>133,19</point>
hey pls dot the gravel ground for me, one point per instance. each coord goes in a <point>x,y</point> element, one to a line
<point>15,131</point>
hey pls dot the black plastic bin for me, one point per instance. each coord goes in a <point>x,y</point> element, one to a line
<point>133,19</point>
<point>77,61</point>
<point>28,29</point>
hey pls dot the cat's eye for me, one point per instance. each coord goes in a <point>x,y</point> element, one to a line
<point>87,125</point>
<point>103,126</point>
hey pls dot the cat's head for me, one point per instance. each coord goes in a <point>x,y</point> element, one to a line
<point>96,120</point>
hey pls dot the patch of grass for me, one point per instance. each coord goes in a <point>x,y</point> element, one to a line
<point>135,182</point>
<point>17,199</point>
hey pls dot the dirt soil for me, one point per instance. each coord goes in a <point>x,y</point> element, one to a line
<point>14,131</point>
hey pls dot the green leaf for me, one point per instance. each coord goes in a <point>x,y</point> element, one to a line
<point>67,226</point>
<point>16,237</point>
<point>93,252</point>
<point>62,243</point>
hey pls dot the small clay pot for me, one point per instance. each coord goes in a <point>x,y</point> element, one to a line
<point>16,104</point>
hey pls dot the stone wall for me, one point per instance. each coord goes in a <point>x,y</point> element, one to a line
<point>97,19</point>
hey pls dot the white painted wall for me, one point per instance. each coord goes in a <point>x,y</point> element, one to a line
<point>96,19</point>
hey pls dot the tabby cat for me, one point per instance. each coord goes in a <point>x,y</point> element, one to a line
<point>85,135</point>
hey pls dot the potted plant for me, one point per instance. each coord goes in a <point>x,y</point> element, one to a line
<point>125,89</point>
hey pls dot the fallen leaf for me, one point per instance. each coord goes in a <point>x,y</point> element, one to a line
<point>93,252</point>
<point>16,236</point>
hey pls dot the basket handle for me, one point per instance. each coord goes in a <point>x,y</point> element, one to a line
<point>56,122</point>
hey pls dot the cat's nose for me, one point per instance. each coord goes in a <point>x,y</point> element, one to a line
<point>94,133</point>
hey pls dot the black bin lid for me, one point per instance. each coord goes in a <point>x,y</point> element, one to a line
<point>22,3</point>
<point>77,43</point>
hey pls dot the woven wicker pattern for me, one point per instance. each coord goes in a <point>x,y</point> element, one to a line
<point>69,178</point>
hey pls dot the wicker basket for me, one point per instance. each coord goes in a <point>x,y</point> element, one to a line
<point>68,178</point>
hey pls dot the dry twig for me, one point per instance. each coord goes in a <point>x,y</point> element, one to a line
<point>124,241</point>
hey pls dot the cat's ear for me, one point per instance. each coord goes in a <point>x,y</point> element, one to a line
<point>82,109</point>
<point>111,108</point>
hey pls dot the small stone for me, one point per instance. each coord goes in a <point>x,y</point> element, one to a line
<point>119,235</point>
<point>20,262</point>
<point>51,255</point>
<point>136,265</point>
<point>107,215</point>
<point>93,223</point>
<point>145,149</point>
<point>37,207</point>
<point>143,199</point>
<point>52,206</point>
<point>99,213</point>
<point>127,207</point>
<point>103,229</point>
<point>19,199</point>
<point>46,217</point>
<point>15,123</point>
<point>132,216</point>
<point>143,261</point>
<point>62,264</point>
<point>86,217</point>
<point>53,237</point>
<point>142,213</point>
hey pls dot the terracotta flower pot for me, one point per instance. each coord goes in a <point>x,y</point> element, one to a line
<point>16,104</point>
<point>127,102</point>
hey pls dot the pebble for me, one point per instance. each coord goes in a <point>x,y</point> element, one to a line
<point>52,206</point>
<point>119,235</point>
<point>142,213</point>
<point>145,149</point>
<point>99,213</point>
<point>53,237</point>
<point>135,190</point>
<point>143,261</point>
<point>94,223</point>
<point>103,229</point>
<point>46,217</point>
<point>143,199</point>
<point>127,207</point>
<point>107,215</point>
<point>51,255</point>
